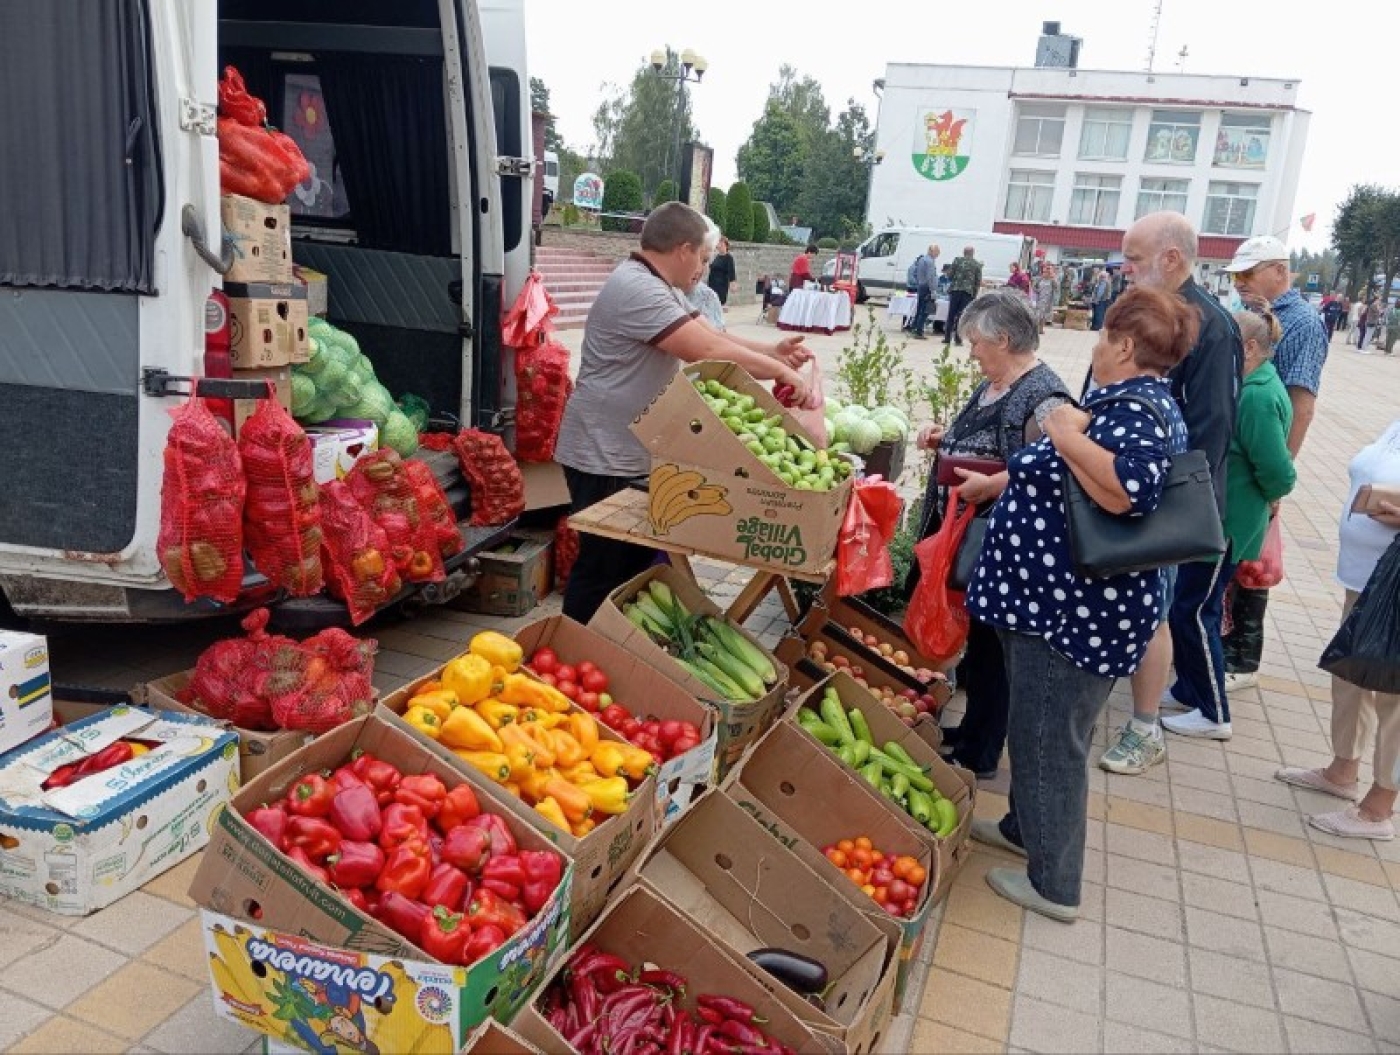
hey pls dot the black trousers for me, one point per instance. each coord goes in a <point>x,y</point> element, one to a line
<point>957,301</point>
<point>982,674</point>
<point>603,564</point>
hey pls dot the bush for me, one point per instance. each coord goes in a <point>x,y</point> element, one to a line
<point>760,222</point>
<point>570,214</point>
<point>828,243</point>
<point>622,192</point>
<point>738,210</point>
<point>665,191</point>
<point>715,207</point>
<point>779,238</point>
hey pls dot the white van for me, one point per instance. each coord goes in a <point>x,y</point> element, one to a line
<point>416,210</point>
<point>551,178</point>
<point>885,257</point>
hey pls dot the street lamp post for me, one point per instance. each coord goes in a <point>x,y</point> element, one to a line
<point>692,69</point>
<point>868,158</point>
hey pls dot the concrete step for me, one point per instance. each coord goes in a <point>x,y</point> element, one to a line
<point>557,284</point>
<point>569,322</point>
<point>602,268</point>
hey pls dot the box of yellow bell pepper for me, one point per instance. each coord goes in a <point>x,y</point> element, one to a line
<point>547,761</point>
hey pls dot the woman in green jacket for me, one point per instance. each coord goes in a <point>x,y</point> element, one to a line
<point>1260,473</point>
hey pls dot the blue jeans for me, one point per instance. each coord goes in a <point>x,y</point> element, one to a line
<point>926,301</point>
<point>1099,311</point>
<point>1054,706</point>
<point>1197,651</point>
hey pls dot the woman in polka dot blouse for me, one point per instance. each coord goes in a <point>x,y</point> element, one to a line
<point>1067,637</point>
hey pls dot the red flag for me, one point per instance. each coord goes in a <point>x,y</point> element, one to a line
<point>1307,221</point>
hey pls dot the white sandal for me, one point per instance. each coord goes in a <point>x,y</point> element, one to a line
<point>1349,824</point>
<point>1313,780</point>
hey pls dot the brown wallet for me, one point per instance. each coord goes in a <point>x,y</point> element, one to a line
<point>947,463</point>
<point>1369,498</point>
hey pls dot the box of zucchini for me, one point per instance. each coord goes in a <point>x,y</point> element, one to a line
<point>733,474</point>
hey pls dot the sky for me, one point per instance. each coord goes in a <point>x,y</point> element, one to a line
<point>1341,71</point>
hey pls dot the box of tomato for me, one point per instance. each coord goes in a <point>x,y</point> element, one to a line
<point>337,936</point>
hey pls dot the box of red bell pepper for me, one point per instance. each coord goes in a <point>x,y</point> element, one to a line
<point>603,998</point>
<point>72,801</point>
<point>367,843</point>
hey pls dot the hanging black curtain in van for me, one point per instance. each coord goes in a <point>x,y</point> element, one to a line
<point>80,184</point>
<point>389,123</point>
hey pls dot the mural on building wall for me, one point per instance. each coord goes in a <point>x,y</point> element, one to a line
<point>1242,147</point>
<point>946,139</point>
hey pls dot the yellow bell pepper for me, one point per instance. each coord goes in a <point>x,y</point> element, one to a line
<point>431,685</point>
<point>468,730</point>
<point>607,796</point>
<point>607,758</point>
<point>524,691</point>
<point>533,783</point>
<point>425,720</point>
<point>551,811</point>
<point>469,677</point>
<point>497,713</point>
<point>512,787</point>
<point>582,772</point>
<point>440,702</point>
<point>583,827</point>
<point>529,716</point>
<point>637,763</point>
<point>494,764</point>
<point>522,761</point>
<point>567,750</point>
<point>574,800</point>
<point>584,728</point>
<point>497,649</point>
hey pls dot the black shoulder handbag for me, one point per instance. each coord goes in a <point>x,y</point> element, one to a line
<point>1185,526</point>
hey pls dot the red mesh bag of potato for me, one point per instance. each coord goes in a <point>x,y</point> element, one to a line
<point>381,485</point>
<point>498,491</point>
<point>330,684</point>
<point>231,678</point>
<point>355,552</point>
<point>433,507</point>
<point>282,514</point>
<point>565,551</point>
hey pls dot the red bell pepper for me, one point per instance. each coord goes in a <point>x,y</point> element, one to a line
<point>302,858</point>
<point>543,871</point>
<point>345,777</point>
<point>402,914</point>
<point>358,899</point>
<point>423,790</point>
<point>379,775</point>
<point>447,887</point>
<point>484,940</point>
<point>458,807</point>
<point>356,813</point>
<point>468,847</point>
<point>271,821</point>
<point>444,936</point>
<point>486,909</point>
<point>502,841</point>
<point>504,875</point>
<point>317,836</point>
<point>311,796</point>
<point>406,871</point>
<point>355,864</point>
<point>403,824</point>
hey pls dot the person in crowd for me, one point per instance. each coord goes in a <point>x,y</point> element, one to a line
<point>1353,314</point>
<point>1067,637</point>
<point>1071,283</point>
<point>964,283</point>
<point>722,276</point>
<point>1332,311</point>
<point>1367,320</point>
<point>1019,280</point>
<point>1160,253</point>
<point>1100,293</point>
<point>926,286</point>
<point>700,294</point>
<point>639,330</point>
<point>1004,414</point>
<point>1047,295</point>
<point>802,268</point>
<point>945,279</point>
<point>1356,712</point>
<point>1392,327</point>
<point>1261,473</point>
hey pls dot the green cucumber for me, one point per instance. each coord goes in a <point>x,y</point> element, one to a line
<point>946,815</point>
<point>860,726</point>
<point>892,766</point>
<point>847,753</point>
<point>835,717</point>
<point>823,732</point>
<point>898,753</point>
<point>871,772</point>
<point>899,784</point>
<point>920,806</point>
<point>862,752</point>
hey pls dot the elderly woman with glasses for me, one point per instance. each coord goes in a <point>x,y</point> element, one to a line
<point>1002,416</point>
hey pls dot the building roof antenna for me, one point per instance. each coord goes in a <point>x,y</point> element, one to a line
<point>1181,60</point>
<point>1152,34</point>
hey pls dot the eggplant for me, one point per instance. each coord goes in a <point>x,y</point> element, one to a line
<point>801,974</point>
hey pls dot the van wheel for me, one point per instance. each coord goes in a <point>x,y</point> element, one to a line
<point>861,295</point>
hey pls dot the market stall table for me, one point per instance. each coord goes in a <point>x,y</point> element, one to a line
<point>815,312</point>
<point>903,306</point>
<point>623,517</point>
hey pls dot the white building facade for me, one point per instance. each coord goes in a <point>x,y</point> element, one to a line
<point>1072,157</point>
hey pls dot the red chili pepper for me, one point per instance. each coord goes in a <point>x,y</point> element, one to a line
<point>423,790</point>
<point>402,914</point>
<point>458,807</point>
<point>356,813</point>
<point>311,796</point>
<point>728,1007</point>
<point>543,871</point>
<point>598,966</point>
<point>467,847</point>
<point>486,909</point>
<point>447,887</point>
<point>271,822</point>
<point>444,936</point>
<point>710,1015</point>
<point>664,979</point>
<point>403,824</point>
<point>742,1032</point>
<point>355,864</point>
<point>485,940</point>
<point>703,1036</point>
<point>406,871</point>
<point>302,858</point>
<point>381,776</point>
<point>585,997</point>
<point>62,776</point>
<point>315,835</point>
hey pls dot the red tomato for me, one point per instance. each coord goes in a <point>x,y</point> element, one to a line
<point>613,714</point>
<point>881,876</point>
<point>568,688</point>
<point>545,661</point>
<point>585,667</point>
<point>593,680</point>
<point>564,672</point>
<point>683,744</point>
<point>900,891</point>
<point>588,700</point>
<point>550,679</point>
<point>630,727</point>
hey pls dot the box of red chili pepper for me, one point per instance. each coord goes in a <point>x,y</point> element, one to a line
<point>646,974</point>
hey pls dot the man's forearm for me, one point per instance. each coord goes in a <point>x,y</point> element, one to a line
<point>761,347</point>
<point>1304,404</point>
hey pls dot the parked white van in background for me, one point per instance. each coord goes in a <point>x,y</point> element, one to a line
<point>551,178</point>
<point>886,255</point>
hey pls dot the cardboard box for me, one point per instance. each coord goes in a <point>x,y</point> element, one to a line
<point>76,849</point>
<point>717,867</point>
<point>243,875</point>
<point>760,521</point>
<point>492,1038</point>
<point>803,797</point>
<point>600,858</point>
<point>740,723</point>
<point>511,583</point>
<point>257,751</point>
<point>850,613</point>
<point>337,445</point>
<point>267,324</point>
<point>26,691</point>
<point>646,692</point>
<point>318,291</point>
<point>952,782</point>
<point>280,377</point>
<point>262,239</point>
<point>640,927</point>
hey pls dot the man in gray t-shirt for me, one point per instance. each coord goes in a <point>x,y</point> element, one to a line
<point>639,330</point>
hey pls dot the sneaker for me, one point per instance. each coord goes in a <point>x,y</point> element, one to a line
<point>1242,680</point>
<point>983,775</point>
<point>1171,703</point>
<point>1194,723</point>
<point>1316,780</point>
<point>989,833</point>
<point>1349,824</point>
<point>1133,753</point>
<point>1014,885</point>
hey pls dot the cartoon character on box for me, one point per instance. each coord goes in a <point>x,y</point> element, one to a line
<point>330,1019</point>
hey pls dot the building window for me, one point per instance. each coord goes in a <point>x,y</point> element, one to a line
<point>1243,141</point>
<point>1172,137</point>
<point>1039,131</point>
<point>1156,195</point>
<point>1105,135</point>
<point>1095,200</point>
<point>1028,195</point>
<point>1230,209</point>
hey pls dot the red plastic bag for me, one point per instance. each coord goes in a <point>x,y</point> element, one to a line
<point>498,490</point>
<point>359,567</point>
<point>543,387</point>
<point>812,418</point>
<point>254,160</point>
<point>381,485</point>
<point>201,507</point>
<point>434,508</point>
<point>863,550</point>
<point>937,618</point>
<point>1266,572</point>
<point>565,551</point>
<point>332,685</point>
<point>236,103</point>
<point>527,323</point>
<point>282,515</point>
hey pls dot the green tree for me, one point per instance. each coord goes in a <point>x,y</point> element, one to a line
<point>1366,236</point>
<point>738,211</point>
<point>665,191</point>
<point>835,181</point>
<point>539,101</point>
<point>760,222</point>
<point>622,192</point>
<point>636,128</point>
<point>715,207</point>
<point>776,155</point>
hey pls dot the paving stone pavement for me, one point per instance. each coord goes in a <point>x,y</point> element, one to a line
<point>1214,918</point>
